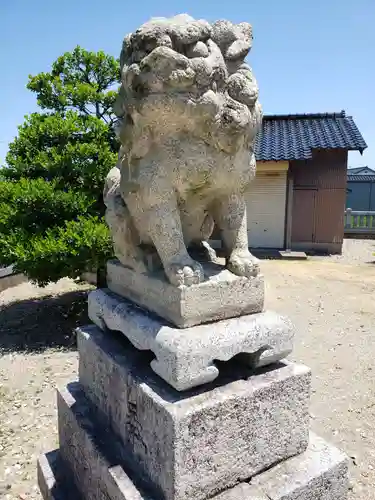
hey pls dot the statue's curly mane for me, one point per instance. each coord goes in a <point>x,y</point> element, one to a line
<point>188,76</point>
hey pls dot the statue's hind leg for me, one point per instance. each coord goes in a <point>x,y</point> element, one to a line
<point>125,238</point>
<point>124,235</point>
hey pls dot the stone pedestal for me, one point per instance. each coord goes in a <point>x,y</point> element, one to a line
<point>126,434</point>
<point>319,473</point>
<point>208,411</point>
<point>205,439</point>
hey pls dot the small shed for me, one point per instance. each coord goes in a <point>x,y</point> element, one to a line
<point>297,200</point>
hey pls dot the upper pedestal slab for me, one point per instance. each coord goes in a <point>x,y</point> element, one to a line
<point>222,295</point>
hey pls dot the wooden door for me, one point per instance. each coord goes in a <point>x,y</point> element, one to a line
<point>303,223</point>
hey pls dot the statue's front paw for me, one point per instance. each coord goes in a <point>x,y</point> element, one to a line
<point>243,264</point>
<point>185,272</point>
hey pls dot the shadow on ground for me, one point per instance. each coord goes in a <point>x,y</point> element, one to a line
<point>41,323</point>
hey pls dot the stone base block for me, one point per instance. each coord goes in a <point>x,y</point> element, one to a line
<point>93,455</point>
<point>223,294</point>
<point>192,444</point>
<point>320,473</point>
<point>185,358</point>
<point>54,478</point>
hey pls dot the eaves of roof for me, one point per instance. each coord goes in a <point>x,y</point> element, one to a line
<point>294,137</point>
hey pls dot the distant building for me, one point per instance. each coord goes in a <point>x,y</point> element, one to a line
<point>361,171</point>
<point>360,189</point>
<point>297,200</point>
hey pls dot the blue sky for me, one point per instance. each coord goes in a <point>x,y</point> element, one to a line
<point>308,55</point>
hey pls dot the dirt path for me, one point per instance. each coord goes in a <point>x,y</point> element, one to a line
<point>331,302</point>
<point>333,307</point>
<point>38,354</point>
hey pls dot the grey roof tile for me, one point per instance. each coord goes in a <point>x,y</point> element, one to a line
<point>365,170</point>
<point>293,137</point>
<point>361,178</point>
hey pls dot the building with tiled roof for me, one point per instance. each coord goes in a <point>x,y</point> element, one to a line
<point>360,189</point>
<point>297,200</point>
<point>360,171</point>
<point>294,137</point>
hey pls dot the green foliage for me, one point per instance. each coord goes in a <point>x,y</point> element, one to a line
<point>51,205</point>
<point>66,250</point>
<point>71,149</point>
<point>36,205</point>
<point>80,80</point>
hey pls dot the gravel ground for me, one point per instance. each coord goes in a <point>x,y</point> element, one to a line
<point>331,300</point>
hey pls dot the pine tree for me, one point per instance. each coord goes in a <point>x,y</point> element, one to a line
<point>51,207</point>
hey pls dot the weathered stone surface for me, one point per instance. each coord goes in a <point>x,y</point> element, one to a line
<point>188,115</point>
<point>91,451</point>
<point>194,444</point>
<point>320,473</point>
<point>185,358</point>
<point>52,481</point>
<point>222,295</point>
<point>53,478</point>
<point>242,491</point>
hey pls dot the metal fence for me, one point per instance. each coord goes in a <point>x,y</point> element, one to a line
<point>359,222</point>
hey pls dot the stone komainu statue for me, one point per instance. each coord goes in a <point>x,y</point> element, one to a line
<point>188,115</point>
